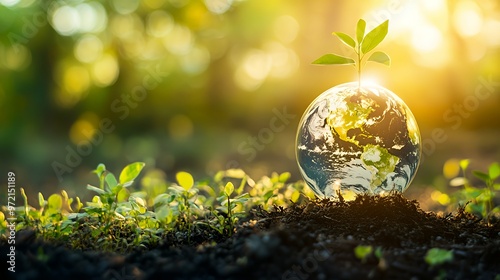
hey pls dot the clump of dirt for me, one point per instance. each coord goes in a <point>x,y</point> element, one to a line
<point>312,241</point>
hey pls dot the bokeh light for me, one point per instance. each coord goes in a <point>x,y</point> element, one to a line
<point>159,23</point>
<point>218,6</point>
<point>88,48</point>
<point>84,129</point>
<point>125,7</point>
<point>16,57</point>
<point>467,18</point>
<point>213,74</point>
<point>105,71</point>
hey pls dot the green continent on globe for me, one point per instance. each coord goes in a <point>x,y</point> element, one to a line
<point>350,116</point>
<point>379,162</point>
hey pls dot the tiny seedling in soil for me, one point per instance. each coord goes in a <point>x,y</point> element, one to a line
<point>437,256</point>
<point>361,45</point>
<point>230,226</point>
<point>479,200</point>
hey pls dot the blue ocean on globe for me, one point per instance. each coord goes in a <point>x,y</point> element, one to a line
<point>354,140</point>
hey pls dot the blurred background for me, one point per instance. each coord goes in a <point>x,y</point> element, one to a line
<point>205,85</point>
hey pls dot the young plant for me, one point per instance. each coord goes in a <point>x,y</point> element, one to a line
<point>362,252</point>
<point>488,193</point>
<point>436,256</point>
<point>186,198</point>
<point>362,45</point>
<point>480,200</point>
<point>111,191</point>
<point>232,207</point>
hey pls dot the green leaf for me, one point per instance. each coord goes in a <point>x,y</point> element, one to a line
<point>436,256</point>
<point>333,59</point>
<point>346,39</point>
<point>242,197</point>
<point>295,196</point>
<point>111,180</point>
<point>130,172</point>
<point>360,30</point>
<point>472,192</point>
<point>117,188</point>
<point>374,37</point>
<point>95,189</point>
<point>185,180</point>
<point>482,176</point>
<point>378,252</point>
<point>229,188</point>
<point>496,187</point>
<point>494,170</point>
<point>361,252</point>
<point>268,195</point>
<point>164,214</point>
<point>100,169</point>
<point>55,201</point>
<point>235,173</point>
<point>464,163</point>
<point>284,177</point>
<point>122,195</point>
<point>219,176</point>
<point>380,57</point>
<point>79,204</point>
<point>41,200</point>
<point>162,199</point>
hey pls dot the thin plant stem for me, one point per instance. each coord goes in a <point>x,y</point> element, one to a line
<point>359,67</point>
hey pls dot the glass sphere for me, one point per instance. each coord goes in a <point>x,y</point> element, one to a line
<point>358,140</point>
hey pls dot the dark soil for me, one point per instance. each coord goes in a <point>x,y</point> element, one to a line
<point>313,241</point>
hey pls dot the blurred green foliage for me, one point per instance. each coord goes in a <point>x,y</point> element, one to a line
<point>123,218</point>
<point>194,84</point>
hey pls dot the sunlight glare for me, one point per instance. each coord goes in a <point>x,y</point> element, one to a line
<point>88,48</point>
<point>218,6</point>
<point>105,71</point>
<point>370,80</point>
<point>9,3</point>
<point>66,20</point>
<point>467,18</point>
<point>426,39</point>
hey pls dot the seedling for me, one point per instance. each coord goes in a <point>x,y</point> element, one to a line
<point>436,256</point>
<point>478,200</point>
<point>119,218</point>
<point>489,179</point>
<point>362,252</point>
<point>362,45</point>
<point>187,194</point>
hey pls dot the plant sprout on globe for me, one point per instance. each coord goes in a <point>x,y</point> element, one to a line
<point>355,138</point>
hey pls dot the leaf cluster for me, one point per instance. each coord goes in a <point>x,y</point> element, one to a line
<point>122,218</point>
<point>478,199</point>
<point>362,44</point>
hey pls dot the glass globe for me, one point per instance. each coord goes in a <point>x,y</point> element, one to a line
<point>358,140</point>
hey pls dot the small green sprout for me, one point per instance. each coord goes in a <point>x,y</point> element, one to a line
<point>478,200</point>
<point>362,252</point>
<point>361,46</point>
<point>121,217</point>
<point>489,179</point>
<point>436,256</point>
<point>187,195</point>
